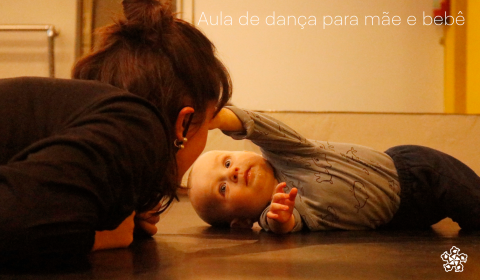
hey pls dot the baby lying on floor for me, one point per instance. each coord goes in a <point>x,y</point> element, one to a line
<point>300,183</point>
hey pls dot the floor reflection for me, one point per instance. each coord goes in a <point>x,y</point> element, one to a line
<point>186,248</point>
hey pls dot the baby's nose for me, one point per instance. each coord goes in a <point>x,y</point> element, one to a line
<point>235,174</point>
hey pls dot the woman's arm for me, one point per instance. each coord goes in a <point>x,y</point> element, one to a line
<point>121,237</point>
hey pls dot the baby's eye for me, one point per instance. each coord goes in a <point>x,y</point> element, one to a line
<point>223,188</point>
<point>228,163</point>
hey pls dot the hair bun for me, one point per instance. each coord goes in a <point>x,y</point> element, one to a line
<point>147,14</point>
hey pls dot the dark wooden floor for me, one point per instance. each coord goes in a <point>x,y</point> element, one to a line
<point>186,248</point>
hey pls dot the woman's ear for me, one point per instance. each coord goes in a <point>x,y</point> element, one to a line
<point>182,119</point>
<point>241,223</point>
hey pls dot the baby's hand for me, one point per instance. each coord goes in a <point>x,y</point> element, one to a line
<point>282,205</point>
<point>226,120</point>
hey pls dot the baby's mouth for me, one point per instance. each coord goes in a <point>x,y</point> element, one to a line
<point>247,176</point>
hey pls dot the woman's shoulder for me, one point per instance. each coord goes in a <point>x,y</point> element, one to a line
<point>41,108</point>
<point>68,99</point>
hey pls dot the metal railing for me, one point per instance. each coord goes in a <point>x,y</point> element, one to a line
<point>51,33</point>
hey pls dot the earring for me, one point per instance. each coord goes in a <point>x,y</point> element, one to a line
<point>180,144</point>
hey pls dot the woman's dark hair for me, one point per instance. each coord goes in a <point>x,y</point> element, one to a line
<point>165,60</point>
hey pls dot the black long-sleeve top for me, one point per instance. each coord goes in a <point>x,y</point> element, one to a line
<point>74,158</point>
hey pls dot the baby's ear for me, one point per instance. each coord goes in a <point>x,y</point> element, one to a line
<point>241,223</point>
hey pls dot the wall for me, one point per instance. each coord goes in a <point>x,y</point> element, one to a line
<point>339,68</point>
<point>473,64</point>
<point>106,11</point>
<point>346,68</point>
<point>462,59</point>
<point>25,53</point>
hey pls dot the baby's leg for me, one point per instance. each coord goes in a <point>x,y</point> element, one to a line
<point>435,185</point>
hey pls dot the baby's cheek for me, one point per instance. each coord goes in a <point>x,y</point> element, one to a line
<point>243,202</point>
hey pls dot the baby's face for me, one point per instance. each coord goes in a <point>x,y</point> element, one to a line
<point>238,184</point>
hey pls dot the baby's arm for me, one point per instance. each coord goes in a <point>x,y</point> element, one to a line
<point>280,217</point>
<point>270,134</point>
<point>226,120</point>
